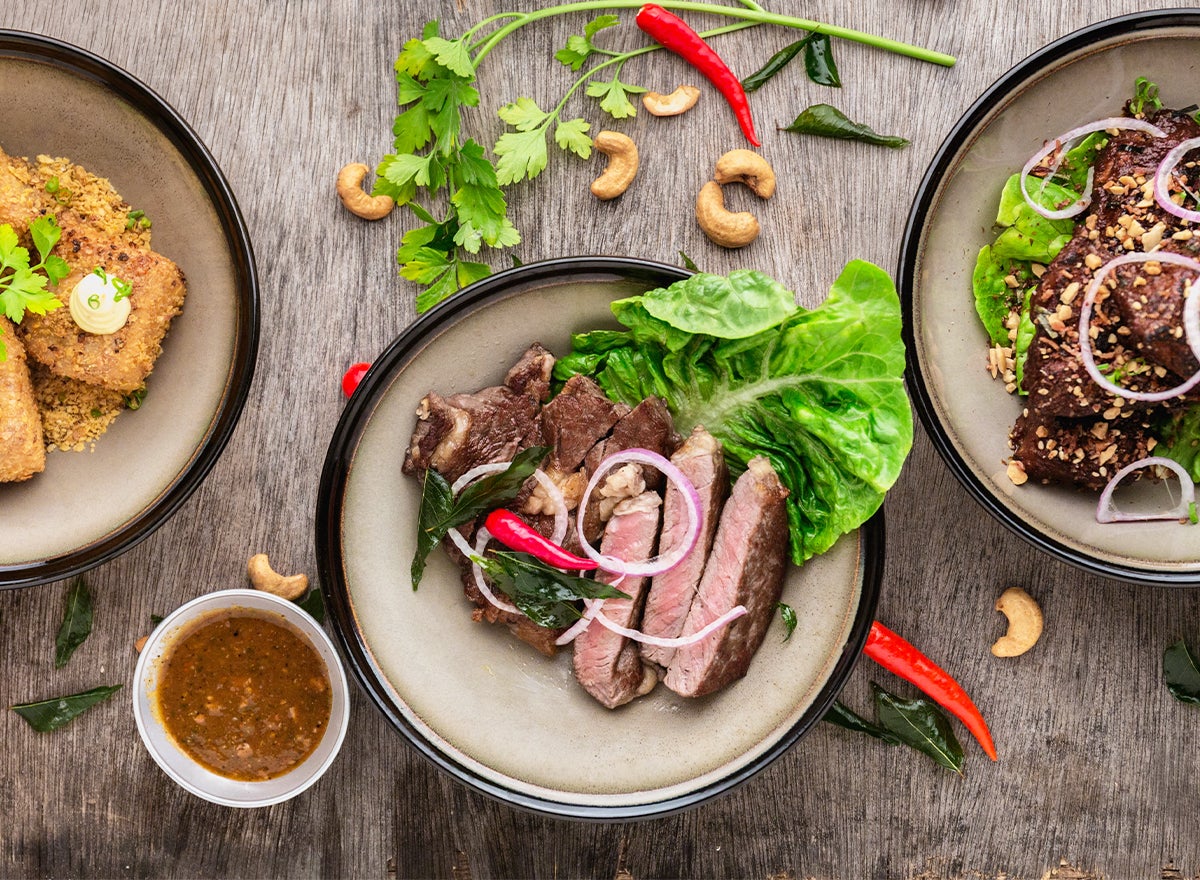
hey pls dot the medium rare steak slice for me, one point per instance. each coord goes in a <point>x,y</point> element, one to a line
<point>745,567</point>
<point>456,433</point>
<point>609,665</point>
<point>702,461</point>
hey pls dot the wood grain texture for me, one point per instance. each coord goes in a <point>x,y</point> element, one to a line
<point>1098,762</point>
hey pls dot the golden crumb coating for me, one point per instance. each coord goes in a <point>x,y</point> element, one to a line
<point>118,361</point>
<point>22,449</point>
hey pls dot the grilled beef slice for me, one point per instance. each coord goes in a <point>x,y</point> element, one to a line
<point>609,665</point>
<point>746,567</point>
<point>702,461</point>
<point>456,433</point>
<point>1072,430</point>
<point>578,417</point>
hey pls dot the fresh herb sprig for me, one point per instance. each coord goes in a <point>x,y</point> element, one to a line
<point>23,286</point>
<point>918,723</point>
<point>462,206</point>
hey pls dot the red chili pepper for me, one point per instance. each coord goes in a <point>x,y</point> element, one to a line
<point>353,376</point>
<point>674,34</point>
<point>516,534</point>
<point>897,655</point>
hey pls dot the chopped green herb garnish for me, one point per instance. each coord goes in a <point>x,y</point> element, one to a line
<point>137,219</point>
<point>23,286</point>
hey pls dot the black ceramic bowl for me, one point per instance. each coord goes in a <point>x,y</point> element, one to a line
<point>491,711</point>
<point>87,507</point>
<point>1085,76</point>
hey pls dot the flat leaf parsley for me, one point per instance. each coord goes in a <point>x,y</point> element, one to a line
<point>23,286</point>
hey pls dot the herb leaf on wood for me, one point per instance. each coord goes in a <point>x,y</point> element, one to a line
<point>49,715</point>
<point>1181,673</point>
<point>825,120</point>
<point>76,623</point>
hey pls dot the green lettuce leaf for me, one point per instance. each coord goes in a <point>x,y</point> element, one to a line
<point>819,393</point>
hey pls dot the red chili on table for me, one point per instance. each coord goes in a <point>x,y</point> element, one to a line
<point>674,34</point>
<point>516,534</point>
<point>897,655</point>
<point>353,376</point>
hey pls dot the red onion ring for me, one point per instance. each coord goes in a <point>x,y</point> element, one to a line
<point>1106,511</point>
<point>591,610</point>
<point>481,539</point>
<point>691,499</point>
<point>552,491</point>
<point>1085,320</point>
<point>1168,164</point>
<point>1117,122</point>
<point>661,641</point>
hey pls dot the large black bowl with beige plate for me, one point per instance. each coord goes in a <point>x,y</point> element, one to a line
<point>1086,76</point>
<point>490,710</point>
<point>89,506</point>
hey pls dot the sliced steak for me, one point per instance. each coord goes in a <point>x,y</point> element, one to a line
<point>531,374</point>
<point>578,417</point>
<point>702,461</point>
<point>746,567</point>
<point>609,665</point>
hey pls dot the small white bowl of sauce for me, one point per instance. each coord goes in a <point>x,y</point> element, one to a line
<point>241,698</point>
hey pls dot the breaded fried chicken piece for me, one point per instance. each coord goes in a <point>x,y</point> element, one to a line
<point>22,450</point>
<point>119,361</point>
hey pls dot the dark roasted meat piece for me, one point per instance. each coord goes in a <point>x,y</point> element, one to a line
<point>456,433</point>
<point>702,461</point>
<point>578,417</point>
<point>746,567</point>
<point>609,665</point>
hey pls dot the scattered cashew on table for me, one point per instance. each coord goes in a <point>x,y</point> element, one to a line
<point>728,228</point>
<point>265,578</point>
<point>622,167</point>
<point>356,199</point>
<point>1024,623</point>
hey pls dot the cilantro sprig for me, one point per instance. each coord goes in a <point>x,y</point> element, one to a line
<point>448,181</point>
<point>23,286</point>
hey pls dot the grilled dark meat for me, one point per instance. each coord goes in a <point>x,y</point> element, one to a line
<point>1073,430</point>
<point>746,567</point>
<point>579,416</point>
<point>456,433</point>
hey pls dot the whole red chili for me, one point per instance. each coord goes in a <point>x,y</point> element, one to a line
<point>897,655</point>
<point>516,534</point>
<point>674,34</point>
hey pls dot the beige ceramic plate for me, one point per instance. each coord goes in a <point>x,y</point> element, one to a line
<point>90,506</point>
<point>1085,76</point>
<point>492,711</point>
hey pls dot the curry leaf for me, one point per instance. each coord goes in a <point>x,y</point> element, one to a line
<point>441,511</point>
<point>788,614</point>
<point>819,63</point>
<point>919,723</point>
<point>76,623</point>
<point>1181,673</point>
<point>546,595</point>
<point>824,120</point>
<point>49,715</point>
<point>314,603</point>
<point>843,716</point>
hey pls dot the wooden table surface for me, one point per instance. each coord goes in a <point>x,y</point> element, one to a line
<point>1098,771</point>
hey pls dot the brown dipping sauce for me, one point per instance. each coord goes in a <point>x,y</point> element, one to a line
<point>244,694</point>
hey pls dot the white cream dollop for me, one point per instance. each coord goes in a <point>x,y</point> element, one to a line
<point>98,306</point>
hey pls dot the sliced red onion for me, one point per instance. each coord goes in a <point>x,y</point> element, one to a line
<point>1062,142</point>
<point>636,635</point>
<point>1191,319</point>
<point>481,539</point>
<point>658,564</point>
<point>1163,176</point>
<point>552,492</point>
<point>592,609</point>
<point>1085,320</point>
<point>1106,511</point>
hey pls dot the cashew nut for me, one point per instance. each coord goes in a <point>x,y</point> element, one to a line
<point>1024,623</point>
<point>682,99</point>
<point>265,578</point>
<point>724,227</point>
<point>748,167</point>
<point>356,199</point>
<point>622,164</point>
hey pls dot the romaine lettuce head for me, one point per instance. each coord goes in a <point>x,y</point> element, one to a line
<point>819,392</point>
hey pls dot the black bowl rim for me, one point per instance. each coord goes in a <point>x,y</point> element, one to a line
<point>330,562</point>
<point>93,68</point>
<point>910,252</point>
